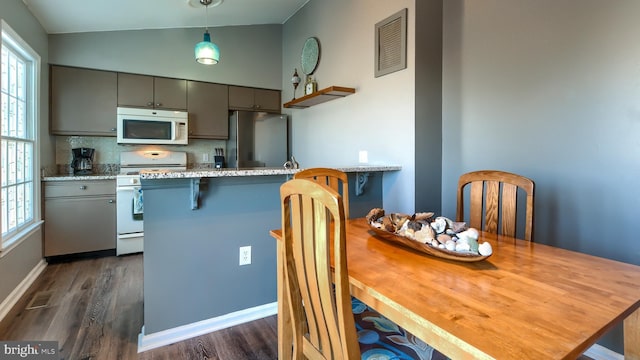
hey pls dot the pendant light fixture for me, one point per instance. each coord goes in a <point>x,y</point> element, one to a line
<point>207,52</point>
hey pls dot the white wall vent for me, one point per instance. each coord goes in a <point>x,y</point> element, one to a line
<point>391,44</point>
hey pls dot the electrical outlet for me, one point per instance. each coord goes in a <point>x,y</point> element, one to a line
<point>363,157</point>
<point>205,157</point>
<point>245,255</point>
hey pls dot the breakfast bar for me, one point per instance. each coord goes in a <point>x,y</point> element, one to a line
<point>195,223</point>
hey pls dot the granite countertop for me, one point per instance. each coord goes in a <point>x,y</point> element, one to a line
<point>72,177</point>
<point>224,172</point>
<point>230,172</point>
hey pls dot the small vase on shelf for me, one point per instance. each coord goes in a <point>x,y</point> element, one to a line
<point>295,80</point>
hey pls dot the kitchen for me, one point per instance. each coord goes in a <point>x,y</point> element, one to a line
<point>476,99</point>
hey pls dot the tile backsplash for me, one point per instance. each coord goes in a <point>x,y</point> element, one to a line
<point>108,151</point>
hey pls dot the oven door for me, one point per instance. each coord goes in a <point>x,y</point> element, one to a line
<point>128,220</point>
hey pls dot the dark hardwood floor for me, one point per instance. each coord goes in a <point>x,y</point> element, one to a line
<point>95,311</point>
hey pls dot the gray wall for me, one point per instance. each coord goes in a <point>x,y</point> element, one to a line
<point>17,263</point>
<point>550,89</point>
<point>250,55</point>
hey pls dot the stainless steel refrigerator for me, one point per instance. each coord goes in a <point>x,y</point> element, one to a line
<point>257,139</point>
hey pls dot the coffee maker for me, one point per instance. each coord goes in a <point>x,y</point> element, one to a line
<point>82,162</point>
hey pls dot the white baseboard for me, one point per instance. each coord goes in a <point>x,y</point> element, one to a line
<point>180,333</point>
<point>11,300</point>
<point>599,352</point>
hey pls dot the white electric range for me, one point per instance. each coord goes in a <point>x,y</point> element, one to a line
<point>129,194</point>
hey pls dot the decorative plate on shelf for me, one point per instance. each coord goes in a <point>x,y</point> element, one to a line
<point>310,55</point>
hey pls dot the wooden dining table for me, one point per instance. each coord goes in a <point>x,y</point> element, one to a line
<point>526,301</point>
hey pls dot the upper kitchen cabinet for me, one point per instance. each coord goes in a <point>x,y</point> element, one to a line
<point>246,98</point>
<point>151,92</point>
<point>83,101</point>
<point>208,109</point>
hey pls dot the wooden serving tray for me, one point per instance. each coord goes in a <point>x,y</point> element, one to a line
<point>427,249</point>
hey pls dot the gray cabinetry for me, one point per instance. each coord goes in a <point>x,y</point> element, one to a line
<point>208,107</point>
<point>246,98</point>
<point>153,92</point>
<point>79,216</point>
<point>83,101</point>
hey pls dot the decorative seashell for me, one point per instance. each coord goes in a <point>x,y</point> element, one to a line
<point>374,214</point>
<point>485,249</point>
<point>470,233</point>
<point>441,246</point>
<point>425,235</point>
<point>398,219</point>
<point>439,225</point>
<point>473,245</point>
<point>450,245</point>
<point>458,226</point>
<point>443,238</point>
<point>388,224</point>
<point>462,246</point>
<point>473,232</point>
<point>435,242</point>
<point>414,225</point>
<point>450,232</point>
<point>446,219</point>
<point>404,227</point>
<point>423,215</point>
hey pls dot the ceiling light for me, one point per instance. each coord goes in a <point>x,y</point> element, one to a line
<point>207,52</point>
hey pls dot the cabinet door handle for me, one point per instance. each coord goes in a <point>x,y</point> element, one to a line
<point>257,106</point>
<point>111,201</point>
<point>158,104</point>
<point>150,103</point>
<point>113,129</point>
<point>83,187</point>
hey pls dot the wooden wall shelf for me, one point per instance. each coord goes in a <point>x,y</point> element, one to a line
<point>320,96</point>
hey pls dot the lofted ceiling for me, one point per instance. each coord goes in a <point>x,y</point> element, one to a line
<point>71,16</point>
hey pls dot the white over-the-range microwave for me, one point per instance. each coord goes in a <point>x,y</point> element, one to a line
<point>149,126</point>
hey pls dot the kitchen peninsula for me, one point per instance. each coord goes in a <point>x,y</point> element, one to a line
<point>195,223</point>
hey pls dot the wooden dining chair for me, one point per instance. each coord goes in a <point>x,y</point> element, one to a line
<point>320,304</point>
<point>493,206</point>
<point>335,179</point>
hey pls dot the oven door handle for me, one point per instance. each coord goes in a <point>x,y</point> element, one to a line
<point>130,235</point>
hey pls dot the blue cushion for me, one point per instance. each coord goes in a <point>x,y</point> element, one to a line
<point>381,338</point>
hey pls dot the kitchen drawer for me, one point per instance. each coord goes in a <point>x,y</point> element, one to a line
<point>54,189</point>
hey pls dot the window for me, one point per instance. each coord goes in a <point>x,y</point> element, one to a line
<point>18,149</point>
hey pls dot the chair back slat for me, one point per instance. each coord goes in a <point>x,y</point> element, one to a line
<point>491,206</point>
<point>493,197</point>
<point>509,210</point>
<point>475,216</point>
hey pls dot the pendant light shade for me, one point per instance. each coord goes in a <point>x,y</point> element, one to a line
<point>207,52</point>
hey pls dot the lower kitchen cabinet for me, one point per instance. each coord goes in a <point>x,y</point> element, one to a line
<point>79,216</point>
